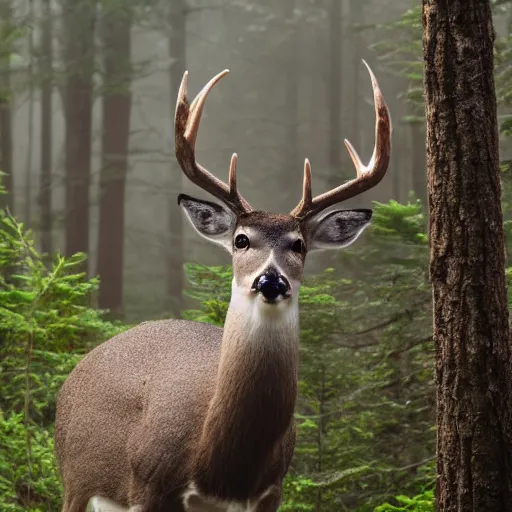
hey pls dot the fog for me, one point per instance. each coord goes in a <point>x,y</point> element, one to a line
<point>297,86</point>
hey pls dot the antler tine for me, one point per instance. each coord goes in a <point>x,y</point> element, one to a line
<point>186,125</point>
<point>367,175</point>
<point>305,202</point>
<point>232,174</point>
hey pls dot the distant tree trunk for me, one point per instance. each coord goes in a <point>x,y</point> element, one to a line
<point>46,73</point>
<point>116,37</point>
<point>79,28</point>
<point>335,91</point>
<point>175,260</point>
<point>467,266</point>
<point>6,150</point>
<point>419,175</point>
<point>335,171</point>
<point>291,168</point>
<point>356,44</point>
<point>30,115</point>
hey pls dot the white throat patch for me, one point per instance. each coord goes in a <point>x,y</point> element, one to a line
<point>193,501</point>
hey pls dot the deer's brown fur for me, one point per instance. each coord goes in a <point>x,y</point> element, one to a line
<point>133,413</point>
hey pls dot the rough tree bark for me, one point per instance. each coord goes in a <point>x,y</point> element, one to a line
<point>116,36</point>
<point>467,266</point>
<point>79,30</point>
<point>177,53</point>
<point>46,73</point>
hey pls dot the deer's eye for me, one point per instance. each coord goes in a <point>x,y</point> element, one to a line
<point>298,246</point>
<point>241,242</point>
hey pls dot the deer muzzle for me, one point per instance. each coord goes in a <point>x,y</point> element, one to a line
<point>271,284</point>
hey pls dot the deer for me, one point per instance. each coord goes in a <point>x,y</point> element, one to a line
<point>182,416</point>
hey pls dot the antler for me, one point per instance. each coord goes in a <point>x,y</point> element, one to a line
<point>367,176</point>
<point>186,125</point>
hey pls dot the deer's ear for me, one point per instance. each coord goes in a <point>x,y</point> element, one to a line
<point>336,229</point>
<point>211,220</point>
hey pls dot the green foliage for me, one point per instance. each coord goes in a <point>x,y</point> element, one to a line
<point>49,302</point>
<point>423,502</point>
<point>397,222</point>
<point>46,321</point>
<point>29,479</point>
<point>46,325</point>
<point>211,288</point>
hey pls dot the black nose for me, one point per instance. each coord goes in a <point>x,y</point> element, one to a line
<point>271,284</point>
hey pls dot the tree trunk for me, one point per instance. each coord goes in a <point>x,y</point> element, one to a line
<point>79,27</point>
<point>356,44</point>
<point>177,53</point>
<point>116,36</point>
<point>6,151</point>
<point>467,266</point>
<point>30,121</point>
<point>291,168</point>
<point>334,90</point>
<point>46,73</point>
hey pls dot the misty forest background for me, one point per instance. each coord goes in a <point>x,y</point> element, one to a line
<point>87,97</point>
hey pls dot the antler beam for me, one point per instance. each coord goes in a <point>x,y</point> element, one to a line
<point>367,176</point>
<point>186,126</point>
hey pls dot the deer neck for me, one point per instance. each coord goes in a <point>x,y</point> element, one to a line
<point>252,407</point>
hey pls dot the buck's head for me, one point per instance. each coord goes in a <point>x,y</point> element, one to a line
<point>269,250</point>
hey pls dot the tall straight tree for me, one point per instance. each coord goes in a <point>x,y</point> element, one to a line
<point>177,52</point>
<point>334,90</point>
<point>467,260</point>
<point>30,115</point>
<point>79,17</point>
<point>290,69</point>
<point>117,101</point>
<point>46,73</point>
<point>356,47</point>
<point>6,147</point>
